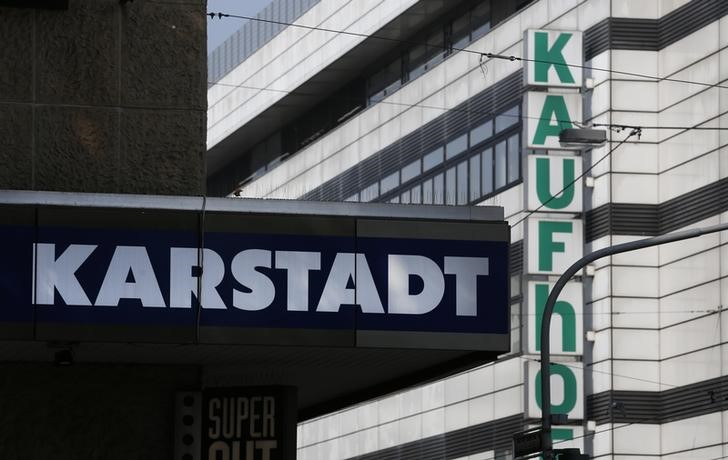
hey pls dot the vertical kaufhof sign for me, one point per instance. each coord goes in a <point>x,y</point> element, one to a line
<point>554,197</point>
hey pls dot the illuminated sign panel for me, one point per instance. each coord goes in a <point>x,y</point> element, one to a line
<point>252,278</point>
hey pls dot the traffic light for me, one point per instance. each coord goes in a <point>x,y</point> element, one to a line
<point>569,454</point>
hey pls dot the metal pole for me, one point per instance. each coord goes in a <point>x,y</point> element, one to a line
<point>554,295</point>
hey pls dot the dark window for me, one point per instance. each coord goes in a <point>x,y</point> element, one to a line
<point>386,81</point>
<point>423,57</point>
<point>460,31</point>
<point>480,20</point>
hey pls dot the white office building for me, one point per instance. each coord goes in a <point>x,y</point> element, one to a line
<point>417,102</point>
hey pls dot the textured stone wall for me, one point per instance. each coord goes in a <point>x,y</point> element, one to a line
<point>101,97</point>
<point>104,97</point>
<point>103,412</point>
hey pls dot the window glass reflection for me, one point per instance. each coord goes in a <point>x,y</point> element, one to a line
<point>416,195</point>
<point>462,186</point>
<point>450,186</point>
<point>506,119</point>
<point>438,193</point>
<point>514,155</point>
<point>480,20</point>
<point>389,183</point>
<point>432,159</point>
<point>427,192</point>
<point>500,164</point>
<point>411,171</point>
<point>474,178</point>
<point>456,146</point>
<point>481,133</point>
<point>370,193</point>
<point>487,177</point>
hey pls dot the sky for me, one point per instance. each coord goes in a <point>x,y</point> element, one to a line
<point>220,29</point>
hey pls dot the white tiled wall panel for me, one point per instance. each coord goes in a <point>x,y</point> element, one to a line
<point>690,303</point>
<point>690,368</point>
<point>636,312</point>
<point>636,375</point>
<point>637,439</point>
<point>689,336</point>
<point>690,271</point>
<point>691,433</point>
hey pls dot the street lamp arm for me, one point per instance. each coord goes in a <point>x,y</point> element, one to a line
<point>554,295</point>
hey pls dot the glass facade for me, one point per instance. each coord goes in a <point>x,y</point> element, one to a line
<point>464,170</point>
<point>429,48</point>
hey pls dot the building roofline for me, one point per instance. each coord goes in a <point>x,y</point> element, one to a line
<point>250,205</point>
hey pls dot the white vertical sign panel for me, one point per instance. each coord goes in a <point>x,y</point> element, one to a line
<point>553,245</point>
<point>567,389</point>
<point>547,114</point>
<point>554,58</point>
<point>553,184</point>
<point>567,322</point>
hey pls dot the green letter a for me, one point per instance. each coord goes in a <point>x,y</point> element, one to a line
<point>553,106</point>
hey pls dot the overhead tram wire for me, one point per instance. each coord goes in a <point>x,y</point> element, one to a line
<point>634,132</point>
<point>488,55</point>
<point>483,112</point>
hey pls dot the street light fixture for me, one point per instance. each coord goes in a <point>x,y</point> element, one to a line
<point>582,137</point>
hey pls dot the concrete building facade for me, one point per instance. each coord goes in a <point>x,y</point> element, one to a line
<point>103,96</point>
<point>403,105</point>
<point>109,97</point>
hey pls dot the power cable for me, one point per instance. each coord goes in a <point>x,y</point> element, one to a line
<point>622,313</point>
<point>449,49</point>
<point>634,132</point>
<point>611,374</point>
<point>481,112</point>
<point>488,55</point>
